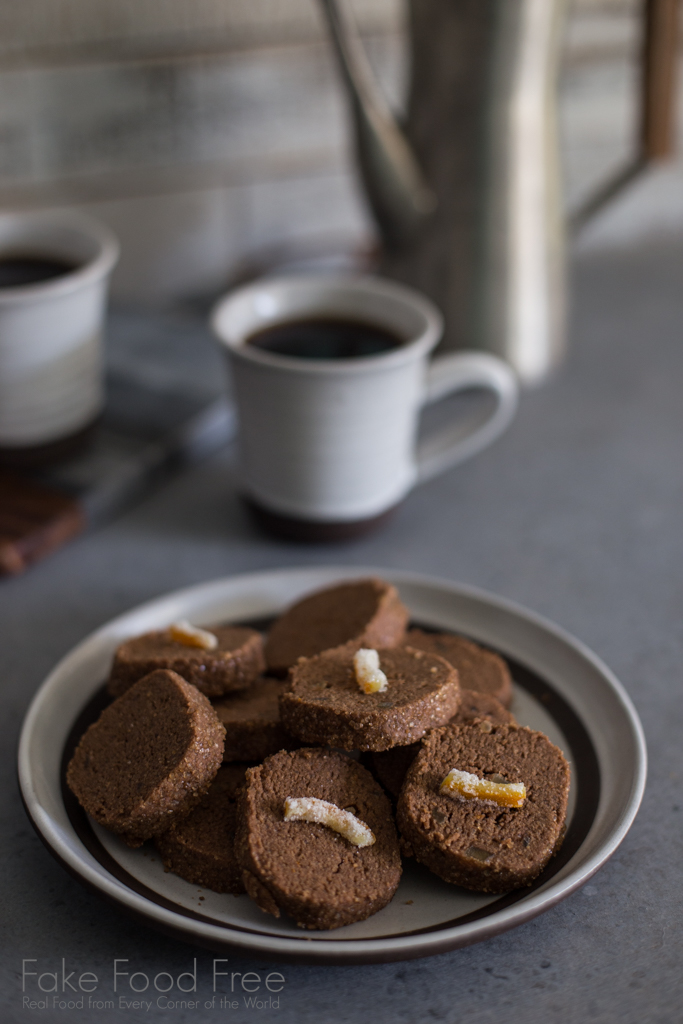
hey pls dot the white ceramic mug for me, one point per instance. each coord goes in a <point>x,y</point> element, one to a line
<point>330,445</point>
<point>51,377</point>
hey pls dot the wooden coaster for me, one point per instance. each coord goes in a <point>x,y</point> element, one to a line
<point>34,520</point>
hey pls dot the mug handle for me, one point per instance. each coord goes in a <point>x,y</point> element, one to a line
<point>446,375</point>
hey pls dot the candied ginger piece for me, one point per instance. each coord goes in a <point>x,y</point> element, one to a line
<point>471,787</point>
<point>184,632</point>
<point>309,808</point>
<point>369,675</point>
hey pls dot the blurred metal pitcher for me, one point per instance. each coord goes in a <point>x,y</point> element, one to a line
<point>466,193</point>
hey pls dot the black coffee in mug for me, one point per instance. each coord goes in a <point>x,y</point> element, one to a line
<point>18,270</point>
<point>325,338</point>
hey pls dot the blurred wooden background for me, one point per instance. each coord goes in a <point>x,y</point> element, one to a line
<point>211,136</point>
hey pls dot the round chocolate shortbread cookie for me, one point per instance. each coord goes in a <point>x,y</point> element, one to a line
<point>324,703</point>
<point>253,729</point>
<point>149,758</point>
<point>368,613</point>
<point>390,766</point>
<point>478,669</point>
<point>476,843</point>
<point>201,847</point>
<point>312,873</point>
<point>233,665</point>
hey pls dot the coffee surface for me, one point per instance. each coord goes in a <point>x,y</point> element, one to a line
<point>325,338</point>
<point>19,270</point>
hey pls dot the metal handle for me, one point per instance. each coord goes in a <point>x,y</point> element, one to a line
<point>399,195</point>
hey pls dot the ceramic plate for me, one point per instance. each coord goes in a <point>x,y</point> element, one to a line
<point>560,687</point>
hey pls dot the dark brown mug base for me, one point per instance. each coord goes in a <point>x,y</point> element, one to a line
<point>35,456</point>
<point>310,531</point>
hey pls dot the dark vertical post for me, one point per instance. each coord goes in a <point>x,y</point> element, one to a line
<point>659,79</point>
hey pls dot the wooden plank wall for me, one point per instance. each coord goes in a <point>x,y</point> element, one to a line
<point>211,135</point>
<point>206,134</point>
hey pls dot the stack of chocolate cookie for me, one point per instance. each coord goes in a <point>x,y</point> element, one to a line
<point>338,718</point>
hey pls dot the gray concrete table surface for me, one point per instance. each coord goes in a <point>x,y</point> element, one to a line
<point>575,513</point>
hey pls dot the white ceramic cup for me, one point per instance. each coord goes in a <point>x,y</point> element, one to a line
<point>51,375</point>
<point>334,442</point>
